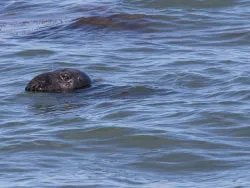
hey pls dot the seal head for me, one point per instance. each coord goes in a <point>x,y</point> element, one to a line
<point>62,80</point>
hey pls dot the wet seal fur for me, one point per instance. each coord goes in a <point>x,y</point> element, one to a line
<point>58,81</point>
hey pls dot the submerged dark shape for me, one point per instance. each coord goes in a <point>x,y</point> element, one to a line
<point>62,80</point>
<point>116,20</point>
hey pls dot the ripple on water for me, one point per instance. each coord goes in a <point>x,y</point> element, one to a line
<point>115,92</point>
<point>99,133</point>
<point>136,91</point>
<point>169,102</point>
<point>193,80</point>
<point>185,3</point>
<point>115,21</point>
<point>33,52</point>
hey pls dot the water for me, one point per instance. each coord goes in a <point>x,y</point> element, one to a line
<point>169,105</point>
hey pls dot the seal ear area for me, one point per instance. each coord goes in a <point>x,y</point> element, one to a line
<point>39,83</point>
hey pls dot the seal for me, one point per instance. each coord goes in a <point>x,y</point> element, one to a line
<point>58,81</point>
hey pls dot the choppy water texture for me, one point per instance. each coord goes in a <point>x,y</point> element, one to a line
<point>169,105</point>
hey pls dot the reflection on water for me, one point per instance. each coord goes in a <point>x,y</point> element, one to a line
<point>42,103</point>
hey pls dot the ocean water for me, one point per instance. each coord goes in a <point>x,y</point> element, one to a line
<point>170,100</point>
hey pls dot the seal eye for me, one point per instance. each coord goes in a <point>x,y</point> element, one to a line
<point>65,77</point>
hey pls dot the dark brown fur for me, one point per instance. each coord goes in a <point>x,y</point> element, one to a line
<point>63,80</point>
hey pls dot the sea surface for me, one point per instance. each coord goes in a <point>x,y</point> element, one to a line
<point>169,105</point>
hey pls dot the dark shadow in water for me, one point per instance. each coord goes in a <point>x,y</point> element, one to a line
<point>43,103</point>
<point>124,21</point>
<point>131,22</point>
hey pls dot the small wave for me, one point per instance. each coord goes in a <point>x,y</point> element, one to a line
<point>193,80</point>
<point>34,145</point>
<point>99,133</point>
<point>123,92</point>
<point>56,28</point>
<point>34,52</point>
<point>116,21</point>
<point>20,6</point>
<point>136,91</point>
<point>185,3</point>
